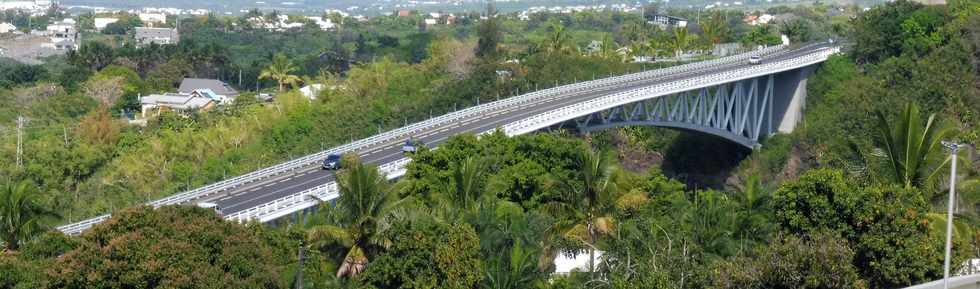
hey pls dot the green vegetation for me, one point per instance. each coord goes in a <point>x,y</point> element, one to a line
<point>854,198</point>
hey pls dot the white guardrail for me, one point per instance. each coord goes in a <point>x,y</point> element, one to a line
<point>404,132</point>
<point>957,282</point>
<point>311,197</point>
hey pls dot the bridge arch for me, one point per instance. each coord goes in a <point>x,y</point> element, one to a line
<point>743,112</point>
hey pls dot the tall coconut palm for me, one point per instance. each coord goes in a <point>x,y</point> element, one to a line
<point>913,150</point>
<point>362,209</point>
<point>558,41</point>
<point>587,203</point>
<point>680,41</point>
<point>715,29</point>
<point>21,217</point>
<point>281,71</point>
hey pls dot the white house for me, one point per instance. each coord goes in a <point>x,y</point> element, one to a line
<point>311,91</point>
<point>101,23</point>
<point>161,36</point>
<point>7,27</point>
<point>667,21</point>
<point>62,29</point>
<point>174,102</point>
<point>63,34</point>
<point>758,20</point>
<point>578,263</point>
<point>151,18</point>
<point>325,24</point>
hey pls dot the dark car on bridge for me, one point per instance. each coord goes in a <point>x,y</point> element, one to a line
<point>411,145</point>
<point>332,162</point>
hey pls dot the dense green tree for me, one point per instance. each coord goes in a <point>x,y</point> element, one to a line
<point>761,35</point>
<point>168,247</point>
<point>887,226</point>
<point>820,200</point>
<point>889,30</point>
<point>489,33</point>
<point>427,254</point>
<point>818,261</point>
<point>94,55</point>
<point>798,30</point>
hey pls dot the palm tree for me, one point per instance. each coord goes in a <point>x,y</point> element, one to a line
<point>362,208</point>
<point>587,203</point>
<point>21,217</point>
<point>715,29</point>
<point>558,41</point>
<point>681,41</point>
<point>912,149</point>
<point>280,70</point>
<point>467,190</point>
<point>514,270</point>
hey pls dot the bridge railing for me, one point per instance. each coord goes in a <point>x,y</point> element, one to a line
<point>406,131</point>
<point>310,197</point>
<point>598,104</point>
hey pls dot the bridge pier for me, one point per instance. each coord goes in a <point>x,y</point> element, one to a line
<point>791,101</point>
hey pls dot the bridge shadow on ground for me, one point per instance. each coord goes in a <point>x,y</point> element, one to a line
<point>702,160</point>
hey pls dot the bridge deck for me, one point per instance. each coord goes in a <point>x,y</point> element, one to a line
<point>274,188</point>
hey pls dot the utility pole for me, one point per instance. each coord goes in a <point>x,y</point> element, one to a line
<point>20,140</point>
<point>953,148</point>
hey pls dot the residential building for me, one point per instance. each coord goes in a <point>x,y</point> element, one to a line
<point>63,34</point>
<point>7,28</point>
<point>62,29</point>
<point>311,91</point>
<point>325,24</point>
<point>758,20</point>
<point>178,102</point>
<point>146,35</point>
<point>36,7</point>
<point>219,88</point>
<point>565,265</point>
<point>666,21</point>
<point>101,23</point>
<point>153,19</point>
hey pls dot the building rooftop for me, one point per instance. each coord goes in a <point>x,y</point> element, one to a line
<point>175,101</point>
<point>189,85</point>
<point>151,34</point>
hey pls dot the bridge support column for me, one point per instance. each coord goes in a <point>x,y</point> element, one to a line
<point>791,98</point>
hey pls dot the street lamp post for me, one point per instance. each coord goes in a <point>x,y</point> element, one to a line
<point>953,148</point>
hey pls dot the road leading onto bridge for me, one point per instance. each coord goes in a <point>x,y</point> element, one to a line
<point>246,193</point>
